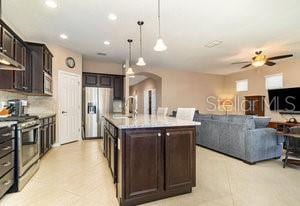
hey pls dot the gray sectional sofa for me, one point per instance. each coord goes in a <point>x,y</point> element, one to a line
<point>244,137</point>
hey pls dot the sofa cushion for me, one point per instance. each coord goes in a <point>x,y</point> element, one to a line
<point>200,116</point>
<point>220,117</point>
<point>261,122</point>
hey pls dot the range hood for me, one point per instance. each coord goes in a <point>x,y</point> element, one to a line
<point>7,63</point>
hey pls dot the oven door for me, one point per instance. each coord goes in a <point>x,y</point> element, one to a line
<point>28,148</point>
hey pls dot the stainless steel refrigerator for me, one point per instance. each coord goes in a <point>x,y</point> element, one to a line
<point>98,102</point>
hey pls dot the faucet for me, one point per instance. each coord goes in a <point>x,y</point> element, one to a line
<point>135,112</point>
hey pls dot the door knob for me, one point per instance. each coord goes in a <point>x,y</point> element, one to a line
<point>63,112</point>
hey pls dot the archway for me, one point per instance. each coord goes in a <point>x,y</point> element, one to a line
<point>147,87</point>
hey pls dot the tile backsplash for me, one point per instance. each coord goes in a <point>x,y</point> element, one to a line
<point>36,104</point>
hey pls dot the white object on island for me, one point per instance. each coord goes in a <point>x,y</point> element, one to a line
<point>185,114</point>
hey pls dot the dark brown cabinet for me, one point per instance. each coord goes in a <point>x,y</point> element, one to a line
<point>90,80</point>
<point>47,60</point>
<point>255,105</point>
<point>118,88</point>
<point>180,158</point>
<point>110,143</point>
<point>7,158</point>
<point>144,163</point>
<point>7,46</point>
<point>41,69</point>
<point>47,134</point>
<point>105,81</point>
<point>13,47</point>
<point>151,163</point>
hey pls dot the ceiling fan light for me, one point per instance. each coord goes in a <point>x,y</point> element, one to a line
<point>141,62</point>
<point>160,45</point>
<point>259,60</point>
<point>258,63</point>
<point>130,72</point>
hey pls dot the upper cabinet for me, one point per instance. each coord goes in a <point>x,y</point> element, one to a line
<point>105,81</point>
<point>118,88</point>
<point>47,60</point>
<point>7,46</point>
<point>14,50</point>
<point>34,57</point>
<point>41,69</point>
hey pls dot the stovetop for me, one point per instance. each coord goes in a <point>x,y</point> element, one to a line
<point>19,119</point>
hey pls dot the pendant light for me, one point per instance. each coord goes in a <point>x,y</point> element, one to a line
<point>160,45</point>
<point>141,61</point>
<point>129,70</point>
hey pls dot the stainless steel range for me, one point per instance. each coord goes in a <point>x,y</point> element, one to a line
<point>28,144</point>
<point>27,147</point>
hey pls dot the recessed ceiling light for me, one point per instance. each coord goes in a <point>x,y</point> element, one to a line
<point>112,17</point>
<point>63,36</point>
<point>106,42</point>
<point>51,3</point>
<point>213,44</point>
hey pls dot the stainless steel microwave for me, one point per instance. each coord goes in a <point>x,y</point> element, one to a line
<point>48,87</point>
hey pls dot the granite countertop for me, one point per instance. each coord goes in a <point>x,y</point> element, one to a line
<point>43,115</point>
<point>147,121</point>
<point>7,124</point>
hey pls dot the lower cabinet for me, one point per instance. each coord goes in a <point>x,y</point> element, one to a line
<point>7,159</point>
<point>143,163</point>
<point>157,163</point>
<point>47,135</point>
<point>110,151</point>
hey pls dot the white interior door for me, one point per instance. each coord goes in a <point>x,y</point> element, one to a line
<point>69,94</point>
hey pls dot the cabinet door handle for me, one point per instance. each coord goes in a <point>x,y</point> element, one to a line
<point>4,50</point>
<point>168,134</point>
<point>6,164</point>
<point>6,148</point>
<point>159,134</point>
<point>6,134</point>
<point>6,182</point>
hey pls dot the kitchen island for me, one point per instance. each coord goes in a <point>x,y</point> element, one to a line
<point>150,157</point>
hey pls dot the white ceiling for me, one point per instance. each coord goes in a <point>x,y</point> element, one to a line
<point>242,25</point>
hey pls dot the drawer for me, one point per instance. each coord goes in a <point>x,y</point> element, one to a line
<point>112,130</point>
<point>50,120</point>
<point>5,134</point>
<point>6,182</point>
<point>7,147</point>
<point>6,163</point>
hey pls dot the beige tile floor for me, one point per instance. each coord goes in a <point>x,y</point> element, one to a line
<point>77,175</point>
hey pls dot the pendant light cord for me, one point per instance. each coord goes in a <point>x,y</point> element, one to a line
<point>158,18</point>
<point>141,45</point>
<point>129,52</point>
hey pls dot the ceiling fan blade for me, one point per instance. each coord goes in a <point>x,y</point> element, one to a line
<point>270,63</point>
<point>241,62</point>
<point>248,65</point>
<point>280,57</point>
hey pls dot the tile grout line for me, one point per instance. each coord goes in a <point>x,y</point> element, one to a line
<point>229,180</point>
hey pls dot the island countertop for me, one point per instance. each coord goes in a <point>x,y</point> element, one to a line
<point>147,121</point>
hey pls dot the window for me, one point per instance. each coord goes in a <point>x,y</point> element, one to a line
<point>274,81</point>
<point>242,85</point>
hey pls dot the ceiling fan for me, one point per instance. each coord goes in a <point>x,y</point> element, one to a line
<point>261,59</point>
